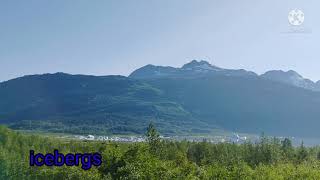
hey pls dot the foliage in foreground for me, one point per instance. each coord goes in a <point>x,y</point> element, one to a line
<point>155,159</point>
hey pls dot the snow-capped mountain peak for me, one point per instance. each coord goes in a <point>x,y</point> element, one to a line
<point>189,70</point>
<point>200,65</point>
<point>290,77</point>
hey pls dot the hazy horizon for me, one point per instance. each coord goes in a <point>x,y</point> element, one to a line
<point>115,37</point>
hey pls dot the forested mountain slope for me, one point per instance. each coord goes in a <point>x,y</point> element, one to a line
<point>196,98</point>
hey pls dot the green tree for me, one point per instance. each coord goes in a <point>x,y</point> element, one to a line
<point>153,138</point>
<point>287,148</point>
<point>302,153</point>
<point>318,155</point>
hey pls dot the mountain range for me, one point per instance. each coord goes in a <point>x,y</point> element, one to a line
<point>203,68</point>
<point>197,98</point>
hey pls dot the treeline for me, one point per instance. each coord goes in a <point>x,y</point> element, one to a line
<point>269,158</point>
<point>114,125</point>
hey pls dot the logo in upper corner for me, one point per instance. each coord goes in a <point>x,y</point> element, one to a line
<point>296,17</point>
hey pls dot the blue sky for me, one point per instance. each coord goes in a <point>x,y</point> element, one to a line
<point>117,36</point>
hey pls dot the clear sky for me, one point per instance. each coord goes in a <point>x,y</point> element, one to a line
<point>103,37</point>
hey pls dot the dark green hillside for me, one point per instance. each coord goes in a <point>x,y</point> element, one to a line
<point>78,103</point>
<point>247,104</point>
<point>178,105</point>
